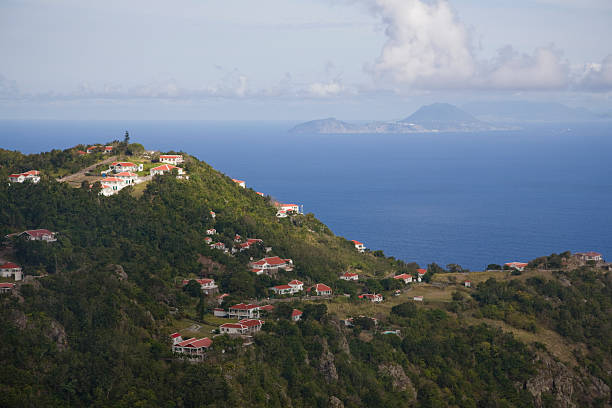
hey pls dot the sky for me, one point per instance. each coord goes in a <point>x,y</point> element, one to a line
<point>296,59</point>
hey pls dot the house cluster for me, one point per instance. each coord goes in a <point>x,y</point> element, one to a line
<point>32,176</point>
<point>284,210</point>
<point>589,256</point>
<point>208,286</point>
<point>192,348</point>
<point>407,278</point>
<point>519,266</point>
<point>11,270</point>
<point>290,288</point>
<point>36,235</point>
<point>118,176</point>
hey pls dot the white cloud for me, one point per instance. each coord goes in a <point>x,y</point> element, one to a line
<point>323,90</point>
<point>597,76</point>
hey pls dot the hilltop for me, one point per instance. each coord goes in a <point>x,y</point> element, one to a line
<point>90,324</point>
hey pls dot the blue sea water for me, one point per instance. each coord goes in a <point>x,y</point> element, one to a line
<point>466,198</point>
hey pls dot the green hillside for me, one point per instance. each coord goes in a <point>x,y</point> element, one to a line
<point>90,324</point>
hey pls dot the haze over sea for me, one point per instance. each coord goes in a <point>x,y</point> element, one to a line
<point>466,198</point>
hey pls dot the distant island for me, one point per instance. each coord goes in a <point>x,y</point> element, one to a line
<point>438,117</point>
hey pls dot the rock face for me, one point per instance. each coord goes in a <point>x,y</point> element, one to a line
<point>568,389</point>
<point>326,364</point>
<point>334,402</point>
<point>121,274</point>
<point>399,380</point>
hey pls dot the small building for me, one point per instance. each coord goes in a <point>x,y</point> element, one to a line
<point>164,169</point>
<point>420,274</point>
<point>32,176</point>
<point>213,215</point>
<point>296,285</point>
<point>192,348</point>
<point>418,298</point>
<point>247,245</point>
<point>92,149</point>
<point>359,246</point>
<point>176,338</point>
<point>258,271</point>
<point>208,286</point>
<point>208,240</point>
<point>211,231</point>
<point>244,311</point>
<point>374,298</point>
<point>519,266</point>
<point>241,183</point>
<point>349,276</point>
<point>296,315</point>
<point>221,298</point>
<point>218,245</point>
<point>237,238</point>
<point>260,193</point>
<point>81,152</point>
<point>467,284</point>
<point>128,177</point>
<point>243,327</point>
<point>219,312</point>
<point>406,278</point>
<point>11,270</point>
<point>120,167</point>
<point>282,290</point>
<point>322,289</point>
<point>288,208</point>
<point>281,214</point>
<point>273,262</point>
<point>171,158</point>
<point>6,287</point>
<point>589,256</point>
<point>108,149</point>
<point>39,235</point>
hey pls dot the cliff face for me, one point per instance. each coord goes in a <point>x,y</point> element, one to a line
<point>564,387</point>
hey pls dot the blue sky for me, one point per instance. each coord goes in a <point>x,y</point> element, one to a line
<point>296,59</point>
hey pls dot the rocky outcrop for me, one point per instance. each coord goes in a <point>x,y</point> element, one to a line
<point>326,364</point>
<point>57,333</point>
<point>334,402</point>
<point>121,274</point>
<point>568,389</point>
<point>399,380</point>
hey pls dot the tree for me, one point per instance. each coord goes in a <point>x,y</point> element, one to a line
<point>494,267</point>
<point>404,309</point>
<point>126,139</point>
<point>373,286</point>
<point>193,288</point>
<point>201,307</point>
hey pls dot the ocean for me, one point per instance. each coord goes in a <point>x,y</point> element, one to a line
<point>465,198</point>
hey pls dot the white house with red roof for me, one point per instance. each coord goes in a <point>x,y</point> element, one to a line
<point>420,273</point>
<point>359,246</point>
<point>322,289</point>
<point>247,245</point>
<point>171,158</point>
<point>11,270</point>
<point>6,287</point>
<point>211,231</point>
<point>193,348</point>
<point>296,285</point>
<point>282,290</point>
<point>119,167</point>
<point>92,149</point>
<point>219,312</point>
<point>296,315</point>
<point>32,176</point>
<point>208,286</point>
<point>273,262</point>
<point>404,277</point>
<point>176,338</point>
<point>39,235</point>
<point>519,266</point>
<point>244,311</point>
<point>241,183</point>
<point>165,169</point>
<point>349,276</point>
<point>208,240</point>
<point>213,215</point>
<point>218,245</point>
<point>467,284</point>
<point>374,298</point>
<point>589,256</point>
<point>108,149</point>
<point>244,326</point>
<point>128,177</point>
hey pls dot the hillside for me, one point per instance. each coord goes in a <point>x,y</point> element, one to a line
<point>90,323</point>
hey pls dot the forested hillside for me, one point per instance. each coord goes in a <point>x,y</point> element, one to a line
<point>90,324</point>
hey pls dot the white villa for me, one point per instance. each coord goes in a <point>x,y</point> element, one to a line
<point>404,277</point>
<point>241,183</point>
<point>193,348</point>
<point>171,158</point>
<point>208,286</point>
<point>244,311</point>
<point>11,270</point>
<point>165,168</point>
<point>244,326</point>
<point>120,167</point>
<point>359,246</point>
<point>32,176</point>
<point>349,276</point>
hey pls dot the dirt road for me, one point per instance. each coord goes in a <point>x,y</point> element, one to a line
<point>78,176</point>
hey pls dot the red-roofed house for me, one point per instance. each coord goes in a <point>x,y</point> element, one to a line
<point>359,246</point>
<point>39,235</point>
<point>241,183</point>
<point>218,245</point>
<point>467,284</point>
<point>171,158</point>
<point>92,149</point>
<point>589,256</point>
<point>6,287</point>
<point>282,289</point>
<point>208,240</point>
<point>208,286</point>
<point>519,266</point>
<point>165,168</point>
<point>260,193</point>
<point>80,152</point>
<point>237,238</point>
<point>266,308</point>
<point>349,276</point>
<point>374,298</point>
<point>244,311</point>
<point>245,326</point>
<point>119,167</point>
<point>33,176</point>
<point>11,270</point>
<point>404,277</point>
<point>211,231</point>
<point>272,263</point>
<point>296,285</point>
<point>193,348</point>
<point>127,177</point>
<point>176,338</point>
<point>322,289</point>
<point>219,312</point>
<point>108,149</point>
<point>296,315</point>
<point>420,274</point>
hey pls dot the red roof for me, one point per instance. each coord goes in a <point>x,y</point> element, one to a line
<point>296,313</point>
<point>275,260</point>
<point>349,274</point>
<point>186,342</point>
<point>7,285</point>
<point>112,180</point>
<point>296,282</point>
<point>244,306</point>
<point>31,173</point>
<point>421,271</point>
<point>15,175</point>
<point>124,164</point>
<point>200,281</point>
<point>175,335</point>
<point>223,296</point>
<point>232,325</point>
<point>170,156</point>
<point>402,276</point>
<point>281,287</point>
<point>81,152</point>
<point>590,253</point>
<point>356,242</point>
<point>38,232</point>
<point>321,287</point>
<point>251,322</point>
<point>517,264</point>
<point>9,265</point>
<point>164,167</point>
<point>205,342</point>
<point>266,308</point>
<point>256,270</point>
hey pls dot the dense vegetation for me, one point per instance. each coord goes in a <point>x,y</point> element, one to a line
<point>94,330</point>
